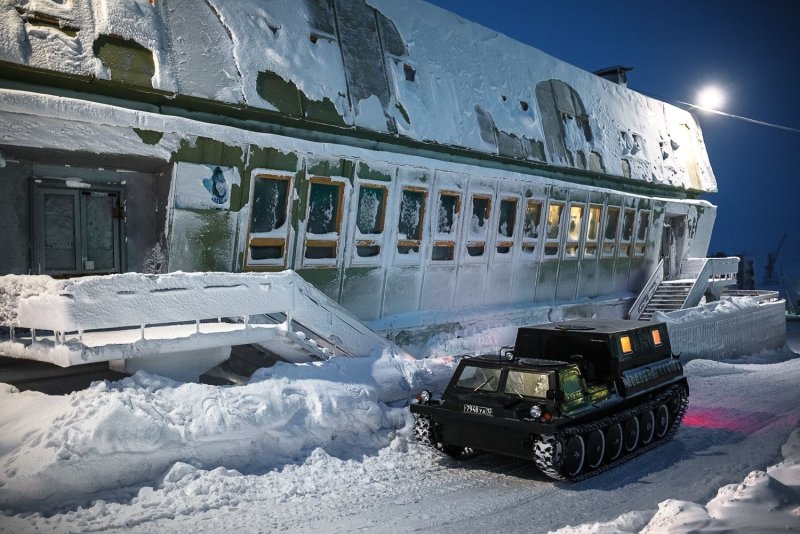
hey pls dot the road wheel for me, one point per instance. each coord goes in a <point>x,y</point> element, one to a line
<point>595,448</point>
<point>662,421</point>
<point>423,430</point>
<point>647,426</point>
<point>613,442</point>
<point>631,433</point>
<point>574,455</point>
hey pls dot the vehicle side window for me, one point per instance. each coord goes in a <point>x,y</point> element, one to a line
<point>527,384</point>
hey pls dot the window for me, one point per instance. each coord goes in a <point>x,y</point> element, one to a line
<point>370,220</point>
<point>324,219</point>
<point>656,335</point>
<point>641,233</point>
<point>478,378</point>
<point>446,226</point>
<point>268,228</point>
<point>481,210</point>
<point>532,226</point>
<point>527,384</point>
<point>610,233</point>
<point>552,233</point>
<point>78,230</point>
<point>627,232</point>
<point>412,214</point>
<point>505,227</point>
<point>593,230</point>
<point>574,230</point>
<point>625,344</point>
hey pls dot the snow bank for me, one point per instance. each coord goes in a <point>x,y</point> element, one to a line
<point>765,501</point>
<point>730,327</point>
<point>131,432</point>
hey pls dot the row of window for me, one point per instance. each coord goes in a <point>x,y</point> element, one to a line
<point>576,228</point>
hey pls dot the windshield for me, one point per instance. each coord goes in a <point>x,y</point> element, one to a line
<point>527,384</point>
<point>477,378</point>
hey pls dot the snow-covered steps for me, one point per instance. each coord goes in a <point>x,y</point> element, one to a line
<point>178,324</point>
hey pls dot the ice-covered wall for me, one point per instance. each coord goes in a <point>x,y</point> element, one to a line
<point>404,68</point>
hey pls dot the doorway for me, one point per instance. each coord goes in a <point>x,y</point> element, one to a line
<point>77,231</point>
<point>672,244</point>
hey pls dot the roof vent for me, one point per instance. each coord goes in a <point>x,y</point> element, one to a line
<point>617,74</point>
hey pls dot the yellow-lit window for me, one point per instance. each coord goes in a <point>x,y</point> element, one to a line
<point>593,229</point>
<point>574,229</point>
<point>656,337</point>
<point>625,343</point>
<point>553,230</point>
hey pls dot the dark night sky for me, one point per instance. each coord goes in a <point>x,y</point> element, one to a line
<point>749,49</point>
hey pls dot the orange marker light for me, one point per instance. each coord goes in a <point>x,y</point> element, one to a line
<point>656,337</point>
<point>625,342</point>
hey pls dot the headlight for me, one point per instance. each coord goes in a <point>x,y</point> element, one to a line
<point>536,412</point>
<point>425,395</point>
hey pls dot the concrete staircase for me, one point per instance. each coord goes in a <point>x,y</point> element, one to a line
<point>669,296</point>
<point>699,277</point>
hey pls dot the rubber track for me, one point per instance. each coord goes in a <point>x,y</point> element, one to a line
<point>547,442</point>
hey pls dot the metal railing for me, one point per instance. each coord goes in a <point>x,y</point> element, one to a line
<point>649,289</point>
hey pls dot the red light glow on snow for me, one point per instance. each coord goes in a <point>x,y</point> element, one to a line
<point>731,419</point>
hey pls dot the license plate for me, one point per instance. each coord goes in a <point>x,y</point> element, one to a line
<point>480,410</point>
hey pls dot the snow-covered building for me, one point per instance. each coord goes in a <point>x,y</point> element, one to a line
<point>396,156</point>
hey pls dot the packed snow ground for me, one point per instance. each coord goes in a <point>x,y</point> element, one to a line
<point>327,448</point>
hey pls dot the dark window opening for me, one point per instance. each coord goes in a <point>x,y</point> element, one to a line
<point>316,251</point>
<point>324,208</point>
<point>368,251</point>
<point>272,252</point>
<point>371,209</point>
<point>508,216</point>
<point>475,249</point>
<point>408,70</point>
<point>270,198</point>
<point>412,211</point>
<point>442,253</point>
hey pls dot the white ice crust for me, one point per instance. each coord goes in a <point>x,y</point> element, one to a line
<point>219,56</point>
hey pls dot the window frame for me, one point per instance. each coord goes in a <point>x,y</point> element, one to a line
<point>369,240</point>
<point>532,242</point>
<point>43,186</point>
<point>569,241</point>
<point>588,242</point>
<point>610,245</point>
<point>553,241</point>
<point>625,245</point>
<point>503,240</point>
<point>446,240</point>
<point>282,239</point>
<point>406,242</point>
<point>315,242</point>
<point>640,244</point>
<point>473,241</point>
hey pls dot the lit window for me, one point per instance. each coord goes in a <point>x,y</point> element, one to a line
<point>593,229</point>
<point>412,214</point>
<point>625,343</point>
<point>551,244</point>
<point>574,230</point>
<point>656,336</point>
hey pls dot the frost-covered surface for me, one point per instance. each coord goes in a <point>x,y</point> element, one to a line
<point>460,94</point>
<point>327,448</point>
<point>729,327</point>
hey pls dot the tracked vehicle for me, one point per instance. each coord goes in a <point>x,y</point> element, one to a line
<point>577,397</point>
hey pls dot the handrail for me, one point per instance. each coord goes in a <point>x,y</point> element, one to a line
<point>647,292</point>
<point>715,272</point>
